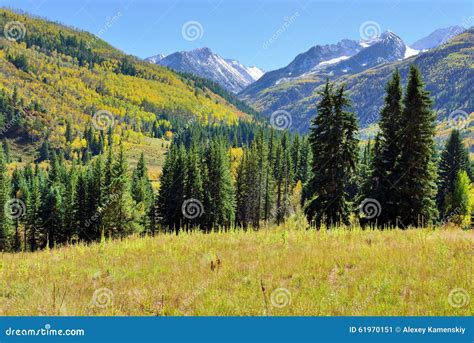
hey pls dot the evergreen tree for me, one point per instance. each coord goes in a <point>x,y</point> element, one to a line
<point>459,203</point>
<point>142,193</point>
<point>33,213</point>
<point>6,150</point>
<point>53,209</point>
<point>68,133</point>
<point>382,184</point>
<point>4,198</point>
<point>219,203</point>
<point>415,169</point>
<point>96,198</point>
<point>334,146</point>
<point>119,208</point>
<point>194,182</point>
<point>305,161</point>
<point>454,159</point>
<point>82,216</point>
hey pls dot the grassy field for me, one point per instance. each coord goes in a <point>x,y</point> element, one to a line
<point>284,270</point>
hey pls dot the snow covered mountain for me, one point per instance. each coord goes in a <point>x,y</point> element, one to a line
<point>305,62</point>
<point>437,37</point>
<point>387,48</point>
<point>345,57</point>
<point>203,62</point>
<point>155,59</point>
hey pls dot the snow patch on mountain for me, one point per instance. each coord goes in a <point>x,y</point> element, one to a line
<point>203,62</point>
<point>410,52</point>
<point>255,72</point>
<point>333,61</point>
<point>155,59</point>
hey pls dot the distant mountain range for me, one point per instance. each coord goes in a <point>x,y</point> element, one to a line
<point>438,37</point>
<point>444,56</point>
<point>365,67</point>
<point>203,62</point>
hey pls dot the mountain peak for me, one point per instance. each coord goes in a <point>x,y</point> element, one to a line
<point>155,59</point>
<point>437,37</point>
<point>203,62</point>
<point>204,50</point>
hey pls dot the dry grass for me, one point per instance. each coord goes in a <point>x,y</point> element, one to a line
<point>277,271</point>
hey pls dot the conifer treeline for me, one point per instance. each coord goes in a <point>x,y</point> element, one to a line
<point>63,204</point>
<point>209,181</point>
<point>403,177</point>
<point>200,188</point>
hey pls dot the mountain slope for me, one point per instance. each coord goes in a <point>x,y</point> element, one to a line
<point>58,74</point>
<point>155,59</point>
<point>437,37</point>
<point>447,70</point>
<point>202,62</point>
<point>311,68</point>
<point>304,63</point>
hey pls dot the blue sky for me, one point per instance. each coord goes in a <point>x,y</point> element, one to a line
<point>265,33</point>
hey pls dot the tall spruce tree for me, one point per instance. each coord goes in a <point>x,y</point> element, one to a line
<point>415,169</point>
<point>172,192</point>
<point>4,198</point>
<point>334,146</point>
<point>382,183</point>
<point>454,158</point>
<point>194,182</point>
<point>219,204</point>
<point>120,209</point>
<point>33,222</point>
<point>142,193</point>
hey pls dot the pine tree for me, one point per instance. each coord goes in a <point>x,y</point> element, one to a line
<point>4,198</point>
<point>16,182</point>
<point>305,160</point>
<point>33,212</point>
<point>415,168</point>
<point>219,206</point>
<point>119,205</point>
<point>53,209</point>
<point>296,155</point>
<point>165,204</point>
<point>334,146</point>
<point>454,158</point>
<point>382,184</point>
<point>82,216</point>
<point>142,193</point>
<point>459,203</point>
<point>266,180</point>
<point>194,182</point>
<point>69,199</point>
<point>96,198</point>
<point>68,133</point>
<point>242,192</point>
<point>6,150</point>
